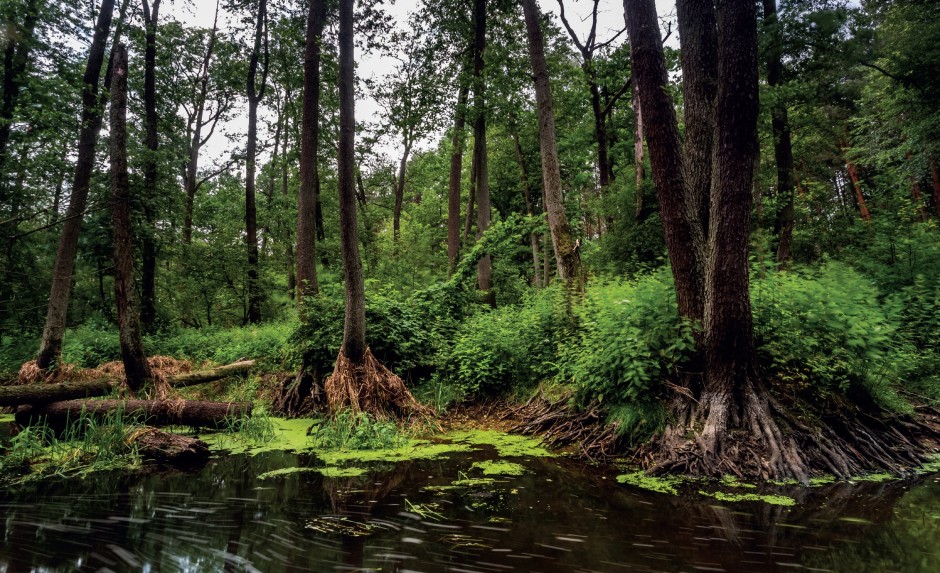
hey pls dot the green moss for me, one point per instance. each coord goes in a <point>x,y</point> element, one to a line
<point>334,472</point>
<point>498,468</point>
<point>876,478</point>
<point>771,499</point>
<point>507,445</point>
<point>651,483</point>
<point>822,480</point>
<point>732,481</point>
<point>932,466</point>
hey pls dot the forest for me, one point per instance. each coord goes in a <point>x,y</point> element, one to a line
<point>703,239</point>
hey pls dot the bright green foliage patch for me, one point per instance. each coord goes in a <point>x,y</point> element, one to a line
<point>499,468</point>
<point>507,445</point>
<point>771,499</point>
<point>6,418</point>
<point>652,483</point>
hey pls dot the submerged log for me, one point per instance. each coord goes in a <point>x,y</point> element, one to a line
<point>47,393</point>
<point>37,394</point>
<point>170,449</point>
<point>194,413</point>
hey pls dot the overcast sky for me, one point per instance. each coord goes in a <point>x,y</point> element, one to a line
<point>200,13</point>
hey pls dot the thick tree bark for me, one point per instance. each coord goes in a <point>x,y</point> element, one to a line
<point>309,196</point>
<point>456,173</point>
<point>480,160</point>
<point>148,308</point>
<point>259,56</point>
<point>527,193</point>
<point>354,328</point>
<point>682,233</point>
<point>195,144</point>
<point>780,125</point>
<point>136,368</point>
<point>90,125</point>
<point>699,78</point>
<point>638,155</point>
<point>152,412</point>
<point>16,56</point>
<point>566,251</point>
<point>47,393</point>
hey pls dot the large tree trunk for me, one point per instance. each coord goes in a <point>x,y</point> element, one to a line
<point>527,193</point>
<point>259,56</point>
<point>600,126</point>
<point>857,186</point>
<point>935,179</point>
<point>196,142</point>
<point>638,157</point>
<point>90,125</point>
<point>566,251</point>
<point>456,172</point>
<point>780,125</point>
<point>19,44</point>
<point>400,190</point>
<point>136,368</point>
<point>662,138</point>
<point>309,195</point>
<point>354,329</point>
<point>193,413</point>
<point>480,160</point>
<point>148,309</point>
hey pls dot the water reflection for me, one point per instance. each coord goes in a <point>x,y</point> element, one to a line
<point>408,517</point>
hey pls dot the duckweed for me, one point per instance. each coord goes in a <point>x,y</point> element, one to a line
<point>499,468</point>
<point>770,499</point>
<point>507,445</point>
<point>651,483</point>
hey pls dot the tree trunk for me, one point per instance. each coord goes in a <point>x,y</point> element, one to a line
<point>480,160</point>
<point>255,95</point>
<point>19,44</point>
<point>210,375</point>
<point>136,368</point>
<point>148,310</point>
<point>456,172</point>
<point>566,251</point>
<point>68,243</point>
<point>780,125</point>
<point>195,143</point>
<point>193,413</point>
<point>638,158</point>
<point>662,138</point>
<point>354,329</point>
<point>917,194</point>
<point>400,191</point>
<point>308,198</point>
<point>471,200</point>
<point>527,193</point>
<point>857,186</point>
<point>47,393</point>
<point>600,125</point>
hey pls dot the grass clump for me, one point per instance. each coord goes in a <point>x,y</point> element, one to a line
<point>348,430</point>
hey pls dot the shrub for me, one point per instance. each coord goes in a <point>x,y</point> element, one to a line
<point>268,343</point>
<point>349,430</point>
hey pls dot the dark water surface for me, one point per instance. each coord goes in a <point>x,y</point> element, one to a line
<point>559,516</point>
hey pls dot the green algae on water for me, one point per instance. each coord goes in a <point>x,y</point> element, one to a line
<point>507,445</point>
<point>652,483</point>
<point>335,472</point>
<point>286,471</point>
<point>770,499</point>
<point>875,478</point>
<point>499,468</point>
<point>411,450</point>
<point>732,481</point>
<point>285,435</point>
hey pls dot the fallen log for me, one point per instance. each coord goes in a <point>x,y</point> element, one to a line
<point>170,449</point>
<point>47,393</point>
<point>195,413</point>
<point>37,394</point>
<point>203,376</point>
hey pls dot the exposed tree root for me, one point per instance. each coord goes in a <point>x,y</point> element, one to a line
<point>753,436</point>
<point>372,388</point>
<point>561,424</point>
<point>300,394</point>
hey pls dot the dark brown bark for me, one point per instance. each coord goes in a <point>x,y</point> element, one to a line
<point>780,125</point>
<point>566,252</point>
<point>136,368</point>
<point>169,449</point>
<point>480,160</point>
<point>471,201</point>
<point>309,196</point>
<point>16,56</point>
<point>47,393</point>
<point>256,89</point>
<point>148,302</point>
<point>196,141</point>
<point>354,328</point>
<point>400,190</point>
<point>90,125</point>
<point>638,155</point>
<point>193,413</point>
<point>212,374</point>
<point>857,186</point>
<point>662,138</point>
<point>527,194</point>
<point>456,172</point>
<point>700,86</point>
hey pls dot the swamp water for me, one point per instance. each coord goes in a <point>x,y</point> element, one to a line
<point>480,505</point>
